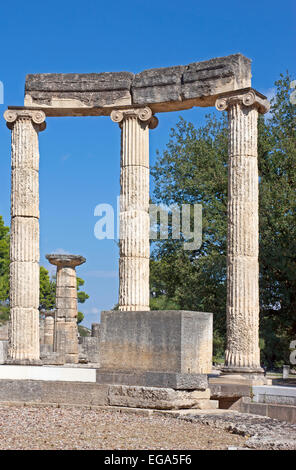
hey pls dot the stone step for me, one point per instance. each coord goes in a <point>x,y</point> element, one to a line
<point>280,412</point>
<point>274,394</point>
<point>94,394</point>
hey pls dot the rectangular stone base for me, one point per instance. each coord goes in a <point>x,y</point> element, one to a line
<point>168,341</point>
<point>172,380</point>
<point>94,394</point>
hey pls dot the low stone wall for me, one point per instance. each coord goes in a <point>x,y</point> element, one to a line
<point>78,393</point>
<point>277,411</point>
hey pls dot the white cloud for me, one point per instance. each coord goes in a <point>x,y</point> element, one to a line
<point>94,311</point>
<point>270,93</point>
<point>65,157</point>
<point>60,251</point>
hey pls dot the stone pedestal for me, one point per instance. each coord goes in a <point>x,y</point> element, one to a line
<point>156,349</point>
<point>134,245</point>
<point>66,331</point>
<point>24,239</point>
<point>242,354</point>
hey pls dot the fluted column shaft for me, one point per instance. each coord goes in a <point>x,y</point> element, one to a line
<point>134,244</point>
<point>24,239</point>
<point>242,353</point>
<point>49,331</point>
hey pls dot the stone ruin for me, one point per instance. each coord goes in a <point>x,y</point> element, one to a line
<point>135,346</point>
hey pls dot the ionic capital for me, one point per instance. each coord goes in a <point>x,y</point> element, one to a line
<point>36,116</point>
<point>247,97</point>
<point>142,114</point>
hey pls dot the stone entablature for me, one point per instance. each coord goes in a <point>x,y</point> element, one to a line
<point>162,89</point>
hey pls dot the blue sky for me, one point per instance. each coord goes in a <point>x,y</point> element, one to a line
<point>79,166</point>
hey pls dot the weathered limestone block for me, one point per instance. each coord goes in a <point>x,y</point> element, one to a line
<point>163,89</point>
<point>158,85</point>
<point>66,292</point>
<point>67,313</point>
<point>79,90</point>
<point>90,348</point>
<point>242,353</point>
<point>51,391</point>
<point>66,277</point>
<point>164,341</point>
<point>158,398</point>
<point>172,380</point>
<point>24,239</point>
<point>210,77</point>
<point>50,357</point>
<point>24,276</point>
<point>66,336</point>
<point>66,303</point>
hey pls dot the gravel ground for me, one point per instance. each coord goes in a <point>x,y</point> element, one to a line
<point>262,433</point>
<point>29,427</point>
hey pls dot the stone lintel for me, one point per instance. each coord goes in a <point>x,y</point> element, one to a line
<point>162,89</point>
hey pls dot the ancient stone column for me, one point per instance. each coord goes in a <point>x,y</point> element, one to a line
<point>242,354</point>
<point>134,207</point>
<point>66,331</point>
<point>24,238</point>
<point>49,330</point>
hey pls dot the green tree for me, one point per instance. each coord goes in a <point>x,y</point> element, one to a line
<point>47,285</point>
<point>4,271</point>
<point>193,169</point>
<point>277,169</point>
<point>47,291</point>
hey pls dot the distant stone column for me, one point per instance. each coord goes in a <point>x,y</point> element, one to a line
<point>134,207</point>
<point>66,331</point>
<point>242,353</point>
<point>49,330</point>
<point>24,238</point>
